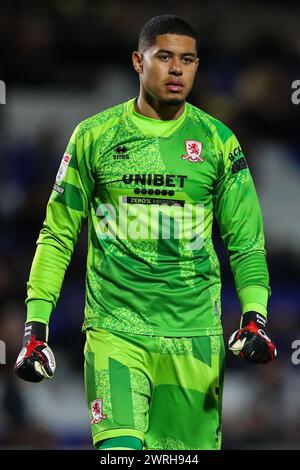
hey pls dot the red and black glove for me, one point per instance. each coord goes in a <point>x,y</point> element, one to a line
<point>36,360</point>
<point>251,341</point>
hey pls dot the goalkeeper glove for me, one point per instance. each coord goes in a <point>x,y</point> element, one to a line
<point>36,361</point>
<point>251,342</point>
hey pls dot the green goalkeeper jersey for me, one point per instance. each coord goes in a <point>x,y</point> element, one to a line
<point>150,189</point>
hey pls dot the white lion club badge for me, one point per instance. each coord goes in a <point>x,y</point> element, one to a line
<point>194,149</point>
<point>96,409</point>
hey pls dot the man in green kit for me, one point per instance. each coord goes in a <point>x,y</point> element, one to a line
<point>150,174</point>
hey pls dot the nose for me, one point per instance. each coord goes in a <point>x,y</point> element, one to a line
<point>175,67</point>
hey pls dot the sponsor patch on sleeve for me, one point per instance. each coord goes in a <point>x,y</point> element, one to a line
<point>58,189</point>
<point>239,165</point>
<point>62,171</point>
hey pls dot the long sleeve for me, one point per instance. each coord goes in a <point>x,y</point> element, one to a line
<point>67,207</point>
<point>238,213</point>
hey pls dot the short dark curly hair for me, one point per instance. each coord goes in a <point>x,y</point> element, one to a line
<point>164,24</point>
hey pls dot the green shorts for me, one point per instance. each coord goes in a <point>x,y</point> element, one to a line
<point>165,391</point>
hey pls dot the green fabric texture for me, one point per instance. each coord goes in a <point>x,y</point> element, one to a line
<point>254,298</point>
<point>155,127</point>
<point>125,442</point>
<point>39,310</point>
<point>122,405</point>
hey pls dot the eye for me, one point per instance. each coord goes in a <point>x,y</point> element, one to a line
<point>187,60</point>
<point>164,57</point>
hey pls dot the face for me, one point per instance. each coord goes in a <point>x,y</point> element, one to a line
<point>168,68</point>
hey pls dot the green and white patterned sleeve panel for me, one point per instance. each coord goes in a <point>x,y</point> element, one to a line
<point>238,213</point>
<point>67,207</point>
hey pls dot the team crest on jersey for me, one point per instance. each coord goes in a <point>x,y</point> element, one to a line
<point>63,167</point>
<point>96,409</point>
<point>194,150</point>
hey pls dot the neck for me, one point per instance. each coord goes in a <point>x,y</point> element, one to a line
<point>152,108</point>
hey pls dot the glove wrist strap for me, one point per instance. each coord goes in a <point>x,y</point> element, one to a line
<point>37,329</point>
<point>257,318</point>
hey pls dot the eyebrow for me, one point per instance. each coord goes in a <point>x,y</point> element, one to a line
<point>192,54</point>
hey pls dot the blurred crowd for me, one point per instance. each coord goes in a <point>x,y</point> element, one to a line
<point>67,60</point>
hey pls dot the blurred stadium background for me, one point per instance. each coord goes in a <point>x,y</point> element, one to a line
<point>63,61</point>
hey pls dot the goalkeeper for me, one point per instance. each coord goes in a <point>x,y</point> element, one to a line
<point>150,174</point>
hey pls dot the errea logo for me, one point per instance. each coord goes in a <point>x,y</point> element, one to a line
<point>121,153</point>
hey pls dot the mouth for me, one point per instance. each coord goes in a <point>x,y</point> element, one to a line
<point>174,85</point>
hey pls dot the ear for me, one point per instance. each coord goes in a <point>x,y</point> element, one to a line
<point>137,60</point>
